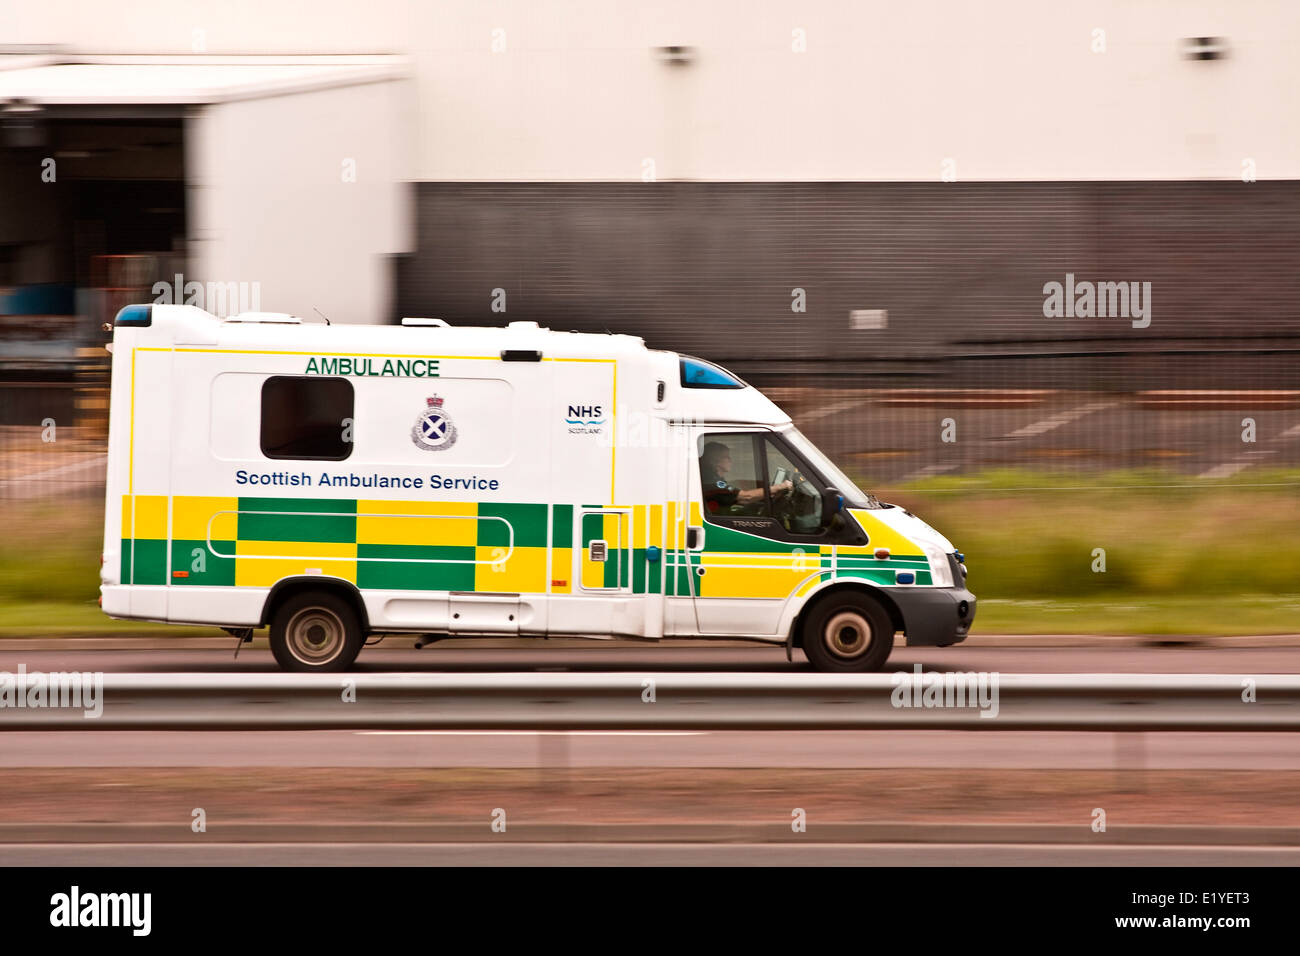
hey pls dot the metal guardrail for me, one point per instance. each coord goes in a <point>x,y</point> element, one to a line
<point>629,701</point>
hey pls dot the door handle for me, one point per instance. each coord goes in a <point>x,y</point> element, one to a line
<point>597,551</point>
<point>694,539</point>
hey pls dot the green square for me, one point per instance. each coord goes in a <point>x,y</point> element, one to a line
<point>205,569</point>
<point>528,522</point>
<point>562,526</point>
<point>149,565</point>
<point>454,572</point>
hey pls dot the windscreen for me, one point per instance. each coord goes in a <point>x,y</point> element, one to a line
<point>853,495</point>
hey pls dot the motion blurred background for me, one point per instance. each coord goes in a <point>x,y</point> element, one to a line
<point>857,207</point>
<point>861,208</point>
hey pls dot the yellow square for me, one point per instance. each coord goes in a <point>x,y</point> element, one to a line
<point>521,571</point>
<point>264,573</point>
<point>639,526</point>
<point>445,530</point>
<point>388,506</point>
<point>449,523</point>
<point>262,563</point>
<point>656,525</point>
<point>774,582</point>
<point>192,514</point>
<point>303,550</point>
<point>150,516</point>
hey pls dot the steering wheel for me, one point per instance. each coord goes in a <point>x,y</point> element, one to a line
<point>783,502</point>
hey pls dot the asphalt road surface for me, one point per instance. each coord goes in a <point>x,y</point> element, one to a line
<point>640,855</point>
<point>937,749</point>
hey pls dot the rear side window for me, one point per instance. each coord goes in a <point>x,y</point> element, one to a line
<point>697,373</point>
<point>307,418</point>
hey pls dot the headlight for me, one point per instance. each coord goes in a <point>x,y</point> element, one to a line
<point>940,569</point>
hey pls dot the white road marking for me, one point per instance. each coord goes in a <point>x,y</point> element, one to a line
<point>1056,421</point>
<point>1230,468</point>
<point>929,471</point>
<point>832,409</point>
<point>1227,469</point>
<point>58,480</point>
<point>96,462</point>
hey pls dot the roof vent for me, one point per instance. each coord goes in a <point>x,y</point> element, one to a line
<point>410,322</point>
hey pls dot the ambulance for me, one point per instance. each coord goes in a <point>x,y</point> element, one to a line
<point>338,483</point>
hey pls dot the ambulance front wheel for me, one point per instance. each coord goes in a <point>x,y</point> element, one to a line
<point>848,632</point>
<point>315,631</point>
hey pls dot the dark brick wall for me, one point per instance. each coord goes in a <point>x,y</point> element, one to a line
<point>709,267</point>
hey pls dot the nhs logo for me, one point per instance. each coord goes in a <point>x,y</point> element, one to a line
<point>585,419</point>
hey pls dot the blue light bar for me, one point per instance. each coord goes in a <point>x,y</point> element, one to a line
<point>139,316</point>
<point>697,373</point>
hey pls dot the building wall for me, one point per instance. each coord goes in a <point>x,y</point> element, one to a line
<point>274,201</point>
<point>519,90</point>
<point>711,268</point>
<point>560,158</point>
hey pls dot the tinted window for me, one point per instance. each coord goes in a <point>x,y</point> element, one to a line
<point>306,417</point>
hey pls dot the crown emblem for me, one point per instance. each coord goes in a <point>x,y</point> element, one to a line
<point>433,401</point>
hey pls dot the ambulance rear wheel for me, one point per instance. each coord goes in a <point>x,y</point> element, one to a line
<point>848,633</point>
<point>315,631</point>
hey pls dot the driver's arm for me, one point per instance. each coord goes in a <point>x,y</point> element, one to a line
<point>753,494</point>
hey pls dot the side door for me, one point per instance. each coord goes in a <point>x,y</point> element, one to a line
<point>605,535</point>
<point>610,601</point>
<point>759,533</point>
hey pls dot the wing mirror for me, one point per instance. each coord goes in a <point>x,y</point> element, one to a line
<point>832,504</point>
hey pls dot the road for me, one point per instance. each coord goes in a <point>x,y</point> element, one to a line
<point>935,749</point>
<point>640,855</point>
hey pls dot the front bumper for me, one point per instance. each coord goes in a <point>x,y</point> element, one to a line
<point>933,617</point>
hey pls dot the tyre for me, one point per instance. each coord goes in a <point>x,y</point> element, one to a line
<point>316,632</point>
<point>848,633</point>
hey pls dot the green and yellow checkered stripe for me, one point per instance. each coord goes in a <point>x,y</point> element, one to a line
<point>469,546</point>
<point>254,542</point>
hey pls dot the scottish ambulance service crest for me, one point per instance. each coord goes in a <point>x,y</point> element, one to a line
<point>434,430</point>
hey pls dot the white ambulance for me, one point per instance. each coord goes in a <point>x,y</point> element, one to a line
<point>336,482</point>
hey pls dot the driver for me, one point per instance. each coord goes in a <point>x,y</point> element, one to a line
<point>715,466</point>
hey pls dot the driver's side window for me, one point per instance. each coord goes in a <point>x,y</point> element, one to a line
<point>731,475</point>
<point>750,480</point>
